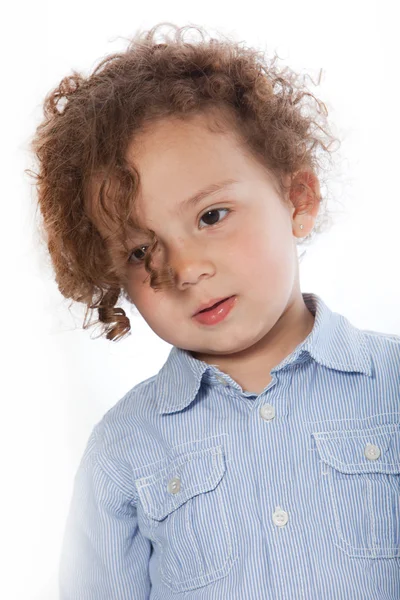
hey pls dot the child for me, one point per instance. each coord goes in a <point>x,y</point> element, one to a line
<point>263,460</point>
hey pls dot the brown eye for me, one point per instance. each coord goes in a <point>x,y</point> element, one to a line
<point>137,255</point>
<point>212,216</point>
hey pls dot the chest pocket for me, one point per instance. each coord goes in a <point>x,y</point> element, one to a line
<point>360,473</point>
<point>184,511</point>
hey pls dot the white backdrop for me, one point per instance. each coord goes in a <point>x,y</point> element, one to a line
<point>57,382</point>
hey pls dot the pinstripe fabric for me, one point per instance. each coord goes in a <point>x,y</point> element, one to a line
<point>190,487</point>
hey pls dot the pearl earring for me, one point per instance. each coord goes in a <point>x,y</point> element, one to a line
<point>301,226</point>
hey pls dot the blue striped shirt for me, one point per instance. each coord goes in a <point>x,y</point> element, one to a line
<point>191,487</point>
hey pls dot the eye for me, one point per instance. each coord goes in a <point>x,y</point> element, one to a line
<point>136,257</point>
<point>210,215</point>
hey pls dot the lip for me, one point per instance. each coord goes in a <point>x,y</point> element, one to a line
<point>209,304</point>
<point>217,314</point>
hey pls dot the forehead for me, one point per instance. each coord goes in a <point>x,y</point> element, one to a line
<point>192,144</point>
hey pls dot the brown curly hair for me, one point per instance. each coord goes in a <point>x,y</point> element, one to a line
<point>81,147</point>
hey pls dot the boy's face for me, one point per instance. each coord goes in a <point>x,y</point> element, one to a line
<point>249,252</point>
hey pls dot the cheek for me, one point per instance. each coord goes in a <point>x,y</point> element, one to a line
<point>261,256</point>
<point>144,298</point>
<point>158,310</point>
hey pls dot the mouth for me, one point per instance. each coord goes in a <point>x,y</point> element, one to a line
<point>212,306</point>
<point>216,312</point>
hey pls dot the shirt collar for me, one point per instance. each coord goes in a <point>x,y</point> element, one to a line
<point>333,343</point>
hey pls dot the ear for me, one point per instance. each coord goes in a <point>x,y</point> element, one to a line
<point>305,197</point>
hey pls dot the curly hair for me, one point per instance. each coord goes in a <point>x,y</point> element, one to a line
<point>90,121</point>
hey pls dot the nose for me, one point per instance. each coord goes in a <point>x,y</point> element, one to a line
<point>190,264</point>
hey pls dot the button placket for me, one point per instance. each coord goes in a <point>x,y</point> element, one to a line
<point>280,517</point>
<point>267,412</point>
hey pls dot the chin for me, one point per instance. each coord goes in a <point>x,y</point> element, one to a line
<point>225,348</point>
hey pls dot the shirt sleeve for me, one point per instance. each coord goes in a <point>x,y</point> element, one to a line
<point>103,554</point>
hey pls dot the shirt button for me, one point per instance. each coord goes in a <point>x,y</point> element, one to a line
<point>174,485</point>
<point>280,517</point>
<point>267,412</point>
<point>372,452</point>
<point>221,380</point>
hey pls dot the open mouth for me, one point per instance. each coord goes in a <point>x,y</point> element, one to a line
<point>214,306</point>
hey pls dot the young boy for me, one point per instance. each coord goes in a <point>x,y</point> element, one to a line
<point>263,460</point>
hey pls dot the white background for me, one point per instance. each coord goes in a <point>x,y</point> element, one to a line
<point>57,382</point>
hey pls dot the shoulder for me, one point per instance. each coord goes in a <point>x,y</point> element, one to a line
<point>127,422</point>
<point>382,342</point>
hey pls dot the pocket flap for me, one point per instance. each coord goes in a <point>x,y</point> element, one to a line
<point>195,473</point>
<point>345,449</point>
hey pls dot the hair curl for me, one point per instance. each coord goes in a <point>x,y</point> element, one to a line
<point>89,122</point>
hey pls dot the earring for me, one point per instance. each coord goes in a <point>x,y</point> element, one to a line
<point>301,226</point>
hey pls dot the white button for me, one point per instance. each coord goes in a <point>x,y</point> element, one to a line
<point>221,380</point>
<point>280,517</point>
<point>267,412</point>
<point>372,452</point>
<point>174,485</point>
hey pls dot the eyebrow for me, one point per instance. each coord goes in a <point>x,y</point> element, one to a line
<point>203,193</point>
